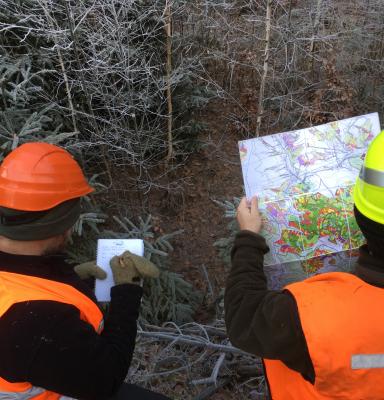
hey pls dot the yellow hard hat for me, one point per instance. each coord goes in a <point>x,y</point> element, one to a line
<point>368,193</point>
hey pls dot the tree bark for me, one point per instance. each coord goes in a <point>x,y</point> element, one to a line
<point>168,30</point>
<point>265,67</point>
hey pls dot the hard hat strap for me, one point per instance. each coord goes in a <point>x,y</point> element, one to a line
<point>372,176</point>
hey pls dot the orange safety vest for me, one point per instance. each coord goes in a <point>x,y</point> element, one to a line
<point>343,324</point>
<point>16,288</point>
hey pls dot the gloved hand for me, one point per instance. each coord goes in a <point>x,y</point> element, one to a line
<point>130,268</point>
<point>90,270</point>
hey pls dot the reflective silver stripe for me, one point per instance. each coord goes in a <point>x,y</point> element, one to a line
<point>372,176</point>
<point>26,395</point>
<point>367,361</point>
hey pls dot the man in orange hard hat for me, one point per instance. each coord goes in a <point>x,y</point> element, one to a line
<point>53,340</point>
<point>322,338</point>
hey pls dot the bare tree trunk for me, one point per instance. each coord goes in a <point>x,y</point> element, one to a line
<point>54,24</point>
<point>168,29</point>
<point>363,49</point>
<point>85,90</point>
<point>315,31</point>
<point>265,68</point>
<point>289,14</point>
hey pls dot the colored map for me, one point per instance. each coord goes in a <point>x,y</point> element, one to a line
<point>310,225</point>
<point>282,274</point>
<point>309,160</point>
<point>304,182</point>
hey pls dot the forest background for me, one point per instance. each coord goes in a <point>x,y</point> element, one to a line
<point>151,97</point>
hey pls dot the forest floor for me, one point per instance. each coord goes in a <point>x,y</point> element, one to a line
<point>212,173</point>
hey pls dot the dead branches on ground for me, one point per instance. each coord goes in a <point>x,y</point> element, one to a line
<point>200,356</point>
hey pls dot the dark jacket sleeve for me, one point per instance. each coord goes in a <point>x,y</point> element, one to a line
<point>47,344</point>
<point>261,321</point>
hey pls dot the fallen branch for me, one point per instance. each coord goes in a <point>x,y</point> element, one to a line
<point>215,372</point>
<point>208,392</point>
<point>193,341</point>
<point>190,328</point>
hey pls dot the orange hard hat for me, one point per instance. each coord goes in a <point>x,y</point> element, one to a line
<point>39,176</point>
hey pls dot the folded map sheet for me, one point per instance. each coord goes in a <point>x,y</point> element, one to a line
<point>304,181</point>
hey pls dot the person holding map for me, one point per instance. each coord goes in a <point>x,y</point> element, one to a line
<point>322,338</point>
<point>54,342</point>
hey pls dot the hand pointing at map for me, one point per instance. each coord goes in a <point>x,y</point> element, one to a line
<point>248,215</point>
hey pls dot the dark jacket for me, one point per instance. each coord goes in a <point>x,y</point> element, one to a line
<point>266,322</point>
<point>47,344</point>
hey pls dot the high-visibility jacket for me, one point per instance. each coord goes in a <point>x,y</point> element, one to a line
<point>343,324</point>
<point>16,288</point>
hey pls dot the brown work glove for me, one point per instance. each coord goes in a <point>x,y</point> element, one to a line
<point>130,268</point>
<point>90,270</point>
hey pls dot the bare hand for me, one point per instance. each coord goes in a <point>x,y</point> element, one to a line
<point>248,215</point>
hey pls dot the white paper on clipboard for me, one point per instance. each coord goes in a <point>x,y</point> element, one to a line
<point>106,249</point>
